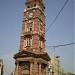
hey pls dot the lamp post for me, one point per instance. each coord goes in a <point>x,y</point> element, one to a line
<point>58,63</point>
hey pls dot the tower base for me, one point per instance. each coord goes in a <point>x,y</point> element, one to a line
<point>28,63</point>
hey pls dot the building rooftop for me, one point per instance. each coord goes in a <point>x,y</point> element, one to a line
<point>1,60</point>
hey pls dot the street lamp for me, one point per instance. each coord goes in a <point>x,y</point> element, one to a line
<point>58,63</point>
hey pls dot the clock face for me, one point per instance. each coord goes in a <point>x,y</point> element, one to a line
<point>30,15</point>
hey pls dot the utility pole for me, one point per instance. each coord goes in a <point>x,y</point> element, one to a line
<point>53,48</point>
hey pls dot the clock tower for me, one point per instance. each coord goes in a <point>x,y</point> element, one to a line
<point>32,59</point>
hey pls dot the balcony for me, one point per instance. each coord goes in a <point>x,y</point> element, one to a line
<point>27,33</point>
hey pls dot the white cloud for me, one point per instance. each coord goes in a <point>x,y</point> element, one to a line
<point>9,63</point>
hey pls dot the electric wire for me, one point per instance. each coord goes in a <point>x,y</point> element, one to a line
<point>57,16</point>
<point>61,45</point>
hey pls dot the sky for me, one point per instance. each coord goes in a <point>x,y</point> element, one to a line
<point>61,32</point>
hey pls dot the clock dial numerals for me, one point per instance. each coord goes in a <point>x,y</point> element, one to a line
<point>30,15</point>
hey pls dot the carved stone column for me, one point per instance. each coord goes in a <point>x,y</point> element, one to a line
<point>17,65</point>
<point>31,67</point>
<point>39,68</point>
<point>46,69</point>
<point>35,68</point>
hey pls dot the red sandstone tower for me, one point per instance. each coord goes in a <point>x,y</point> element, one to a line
<point>32,59</point>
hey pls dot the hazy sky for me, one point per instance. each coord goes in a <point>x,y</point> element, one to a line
<point>62,31</point>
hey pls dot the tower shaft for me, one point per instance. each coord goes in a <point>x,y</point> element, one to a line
<point>32,59</point>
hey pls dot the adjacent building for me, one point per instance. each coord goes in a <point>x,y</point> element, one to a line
<point>1,67</point>
<point>55,67</point>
